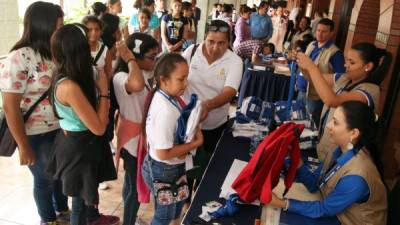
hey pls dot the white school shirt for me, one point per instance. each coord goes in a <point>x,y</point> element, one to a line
<point>161,126</point>
<point>207,81</point>
<point>102,60</point>
<point>131,106</point>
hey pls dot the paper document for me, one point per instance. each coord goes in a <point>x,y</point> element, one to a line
<point>234,171</point>
<point>270,215</point>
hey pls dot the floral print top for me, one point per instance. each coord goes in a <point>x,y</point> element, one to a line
<point>26,72</point>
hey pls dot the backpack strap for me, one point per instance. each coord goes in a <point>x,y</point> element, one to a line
<point>103,46</point>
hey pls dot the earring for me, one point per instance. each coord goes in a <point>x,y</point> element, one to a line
<point>350,144</point>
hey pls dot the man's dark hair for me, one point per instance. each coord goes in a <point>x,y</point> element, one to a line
<point>327,22</point>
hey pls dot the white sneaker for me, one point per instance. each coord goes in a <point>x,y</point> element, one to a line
<point>103,186</point>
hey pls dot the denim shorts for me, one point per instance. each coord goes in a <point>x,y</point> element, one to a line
<point>164,173</point>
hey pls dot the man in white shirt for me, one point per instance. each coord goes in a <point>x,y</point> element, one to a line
<point>215,73</point>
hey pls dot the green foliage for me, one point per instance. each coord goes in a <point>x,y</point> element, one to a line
<point>76,15</point>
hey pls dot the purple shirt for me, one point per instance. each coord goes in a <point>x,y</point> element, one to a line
<point>242,31</point>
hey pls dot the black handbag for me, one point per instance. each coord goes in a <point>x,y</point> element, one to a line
<point>7,141</point>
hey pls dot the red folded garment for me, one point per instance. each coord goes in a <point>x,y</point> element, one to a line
<point>262,173</point>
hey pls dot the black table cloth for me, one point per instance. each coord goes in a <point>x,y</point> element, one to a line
<point>228,149</point>
<point>266,85</point>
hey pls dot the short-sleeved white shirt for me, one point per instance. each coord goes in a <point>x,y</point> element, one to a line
<point>131,106</point>
<point>27,73</point>
<point>101,62</point>
<point>161,126</point>
<point>208,81</point>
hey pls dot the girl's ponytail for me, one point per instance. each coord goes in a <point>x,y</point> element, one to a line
<point>380,58</point>
<point>164,67</point>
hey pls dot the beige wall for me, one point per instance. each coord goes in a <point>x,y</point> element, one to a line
<point>9,23</point>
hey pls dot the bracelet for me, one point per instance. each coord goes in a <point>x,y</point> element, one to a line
<point>287,204</point>
<point>104,96</point>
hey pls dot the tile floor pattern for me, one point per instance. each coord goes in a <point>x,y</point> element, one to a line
<point>17,206</point>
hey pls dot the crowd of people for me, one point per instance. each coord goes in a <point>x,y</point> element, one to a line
<point>133,78</point>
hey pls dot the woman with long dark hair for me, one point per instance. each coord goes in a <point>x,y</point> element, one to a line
<point>352,189</point>
<point>365,66</point>
<point>82,157</point>
<point>24,78</point>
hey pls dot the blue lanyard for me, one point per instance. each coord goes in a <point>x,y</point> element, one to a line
<point>148,85</point>
<point>170,99</point>
<point>336,168</point>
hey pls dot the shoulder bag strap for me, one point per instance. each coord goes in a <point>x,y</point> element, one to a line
<point>30,110</point>
<point>193,51</point>
<point>99,54</point>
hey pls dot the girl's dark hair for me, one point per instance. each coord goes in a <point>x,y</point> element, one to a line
<point>186,6</point>
<point>245,9</point>
<point>270,46</point>
<point>92,19</point>
<point>40,22</point>
<point>308,38</point>
<point>308,19</point>
<point>98,8</point>
<point>146,12</point>
<point>379,57</point>
<point>304,42</point>
<point>138,4</point>
<point>110,26</point>
<point>359,115</point>
<point>164,67</point>
<point>227,8</point>
<point>147,43</point>
<point>148,3</point>
<point>71,53</point>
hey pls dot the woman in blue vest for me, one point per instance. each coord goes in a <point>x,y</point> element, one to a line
<point>365,67</point>
<point>351,188</point>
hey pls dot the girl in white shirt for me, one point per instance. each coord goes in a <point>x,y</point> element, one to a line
<point>101,56</point>
<point>165,162</point>
<point>131,86</point>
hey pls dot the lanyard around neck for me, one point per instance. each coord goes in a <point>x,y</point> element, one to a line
<point>324,117</point>
<point>326,177</point>
<point>170,99</point>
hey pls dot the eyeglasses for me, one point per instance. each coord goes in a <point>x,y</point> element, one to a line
<point>222,29</point>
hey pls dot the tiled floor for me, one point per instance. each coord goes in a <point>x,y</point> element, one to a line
<point>18,207</point>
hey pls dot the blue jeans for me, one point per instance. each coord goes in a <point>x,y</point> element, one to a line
<point>47,192</point>
<point>163,214</point>
<point>79,212</point>
<point>129,192</point>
